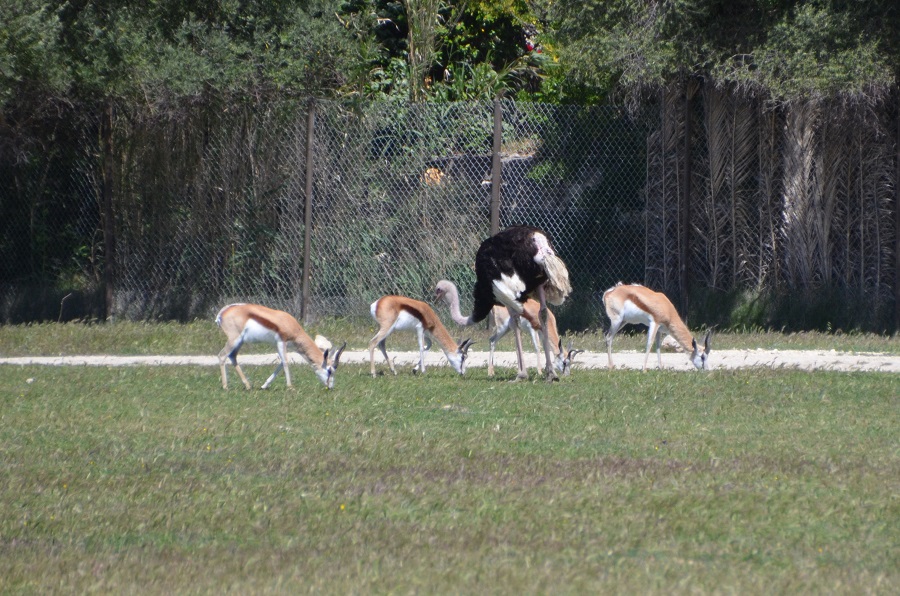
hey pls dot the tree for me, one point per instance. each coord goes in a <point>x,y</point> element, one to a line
<point>31,67</point>
<point>422,22</point>
<point>787,48</point>
<point>448,51</point>
<point>155,52</point>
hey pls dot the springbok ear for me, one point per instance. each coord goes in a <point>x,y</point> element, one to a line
<point>337,357</point>
<point>694,344</point>
<point>325,358</point>
<point>560,344</point>
<point>706,341</point>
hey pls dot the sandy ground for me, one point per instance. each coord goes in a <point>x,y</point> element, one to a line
<point>728,359</point>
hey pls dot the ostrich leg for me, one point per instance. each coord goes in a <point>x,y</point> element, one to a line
<point>517,330</point>
<point>550,371</point>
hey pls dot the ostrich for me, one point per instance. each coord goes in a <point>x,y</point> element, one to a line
<point>509,267</point>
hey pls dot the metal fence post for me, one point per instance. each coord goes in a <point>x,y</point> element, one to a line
<point>897,223</point>
<point>307,211</point>
<point>109,224</point>
<point>684,225</point>
<point>496,166</point>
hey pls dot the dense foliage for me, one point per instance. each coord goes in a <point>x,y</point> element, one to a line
<point>157,51</point>
<point>51,50</point>
<point>786,49</point>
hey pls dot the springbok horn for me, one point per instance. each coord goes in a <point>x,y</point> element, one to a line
<point>337,357</point>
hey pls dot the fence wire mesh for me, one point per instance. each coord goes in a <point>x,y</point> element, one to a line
<point>401,199</point>
<point>208,203</point>
<point>403,196</point>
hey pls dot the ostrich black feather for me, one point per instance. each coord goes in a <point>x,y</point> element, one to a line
<point>508,254</point>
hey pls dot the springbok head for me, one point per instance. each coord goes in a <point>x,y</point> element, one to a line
<point>699,355</point>
<point>462,352</point>
<point>565,358</point>
<point>326,372</point>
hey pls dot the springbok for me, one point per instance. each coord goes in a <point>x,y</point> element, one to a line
<point>399,312</point>
<point>633,303</point>
<point>253,323</point>
<point>530,322</point>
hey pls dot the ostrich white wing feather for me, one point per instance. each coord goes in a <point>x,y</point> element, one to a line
<point>507,290</point>
<point>558,286</point>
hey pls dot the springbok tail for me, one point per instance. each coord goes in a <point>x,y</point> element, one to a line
<point>558,286</point>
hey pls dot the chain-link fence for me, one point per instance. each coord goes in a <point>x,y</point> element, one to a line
<point>792,211</point>
<point>707,193</point>
<point>401,198</point>
<point>50,218</point>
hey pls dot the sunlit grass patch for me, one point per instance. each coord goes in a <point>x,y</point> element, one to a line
<point>203,337</point>
<point>148,478</point>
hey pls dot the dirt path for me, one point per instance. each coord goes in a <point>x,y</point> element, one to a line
<point>730,359</point>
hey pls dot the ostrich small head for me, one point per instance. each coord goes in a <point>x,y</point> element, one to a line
<point>443,290</point>
<point>446,291</point>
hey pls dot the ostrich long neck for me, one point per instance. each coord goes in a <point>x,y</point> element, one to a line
<point>452,298</point>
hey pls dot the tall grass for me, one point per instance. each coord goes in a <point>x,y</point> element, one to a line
<point>155,480</point>
<point>203,337</point>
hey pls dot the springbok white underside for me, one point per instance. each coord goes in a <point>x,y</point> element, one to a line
<point>406,321</point>
<point>255,333</point>
<point>634,315</point>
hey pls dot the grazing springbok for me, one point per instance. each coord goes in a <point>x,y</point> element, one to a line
<point>399,312</point>
<point>530,322</point>
<point>252,323</point>
<point>634,303</point>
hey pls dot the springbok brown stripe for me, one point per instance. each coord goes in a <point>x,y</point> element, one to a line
<point>633,296</point>
<point>414,312</point>
<point>534,321</point>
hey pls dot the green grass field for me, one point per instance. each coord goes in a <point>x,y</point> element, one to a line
<point>155,480</point>
<point>203,337</point>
